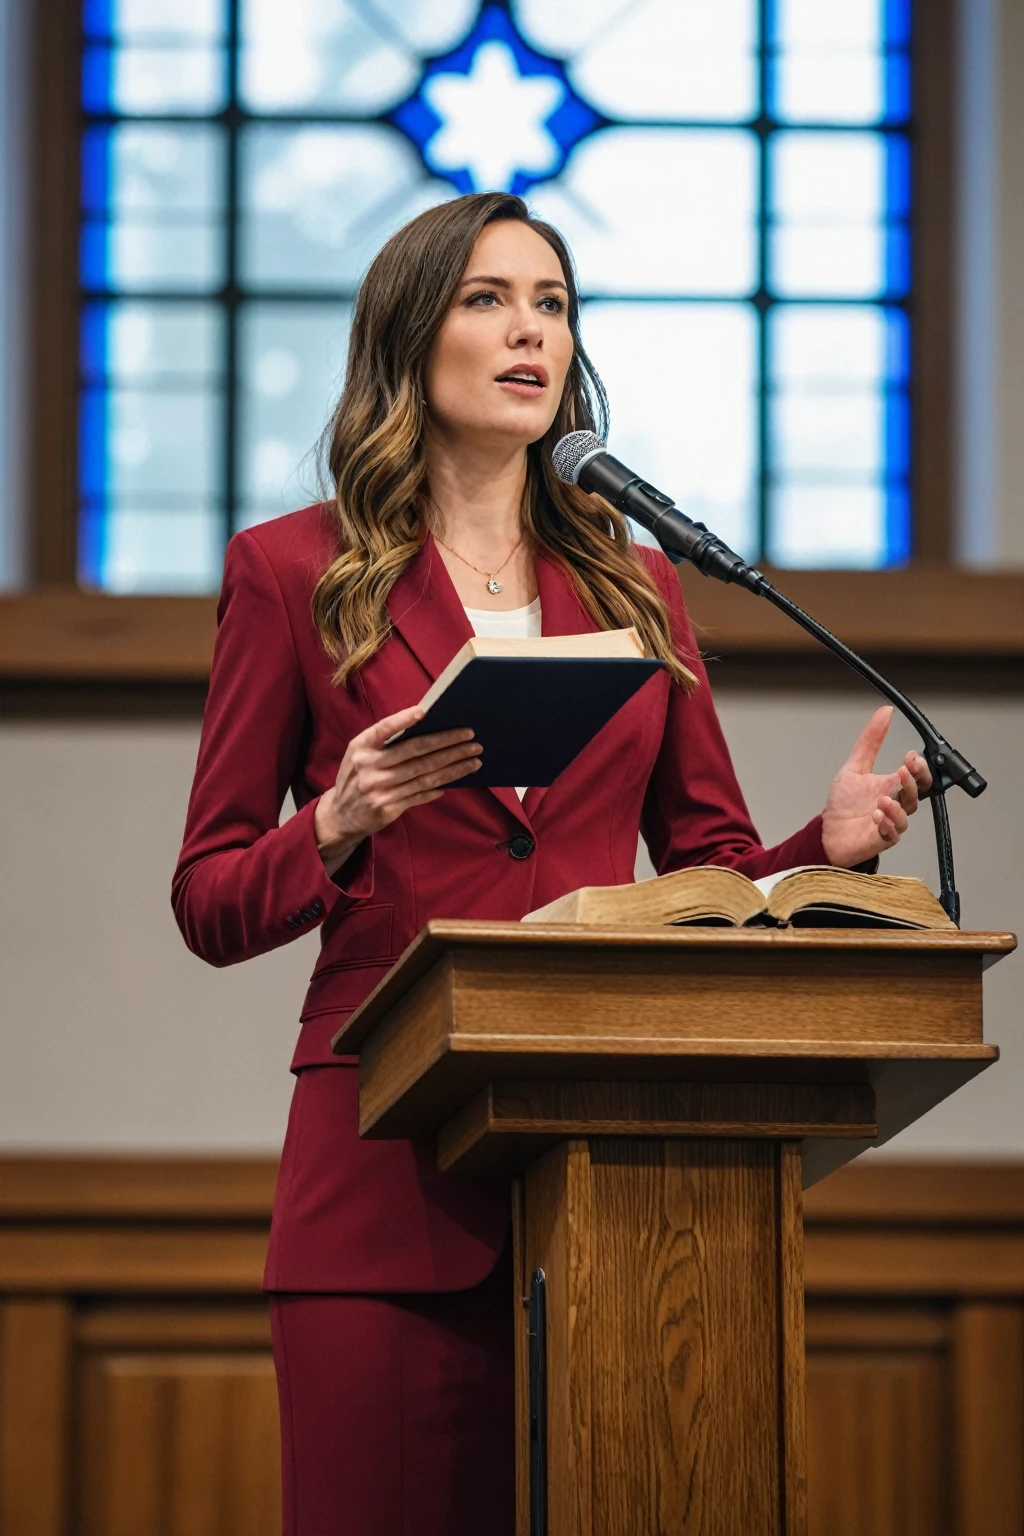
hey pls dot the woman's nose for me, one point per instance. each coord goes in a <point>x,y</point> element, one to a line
<point>526,329</point>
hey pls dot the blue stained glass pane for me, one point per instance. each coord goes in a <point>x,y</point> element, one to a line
<point>695,433</point>
<point>96,17</point>
<point>897,87</point>
<point>897,346</point>
<point>897,525</point>
<point>164,550</point>
<point>292,365</point>
<point>829,235</point>
<point>343,57</point>
<point>588,107</point>
<point>153,194</point>
<point>94,261</point>
<point>95,170</point>
<point>92,428</point>
<point>897,176</point>
<point>150,445</point>
<point>828,525</point>
<point>897,22</point>
<point>168,20</point>
<point>94,342</point>
<point>318,202</point>
<point>151,342</point>
<point>96,67</point>
<point>703,184</point>
<point>897,262</point>
<point>92,529</point>
<point>661,61</point>
<point>840,434</point>
<point>147,81</point>
<point>897,435</point>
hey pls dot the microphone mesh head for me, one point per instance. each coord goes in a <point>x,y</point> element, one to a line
<point>570,451</point>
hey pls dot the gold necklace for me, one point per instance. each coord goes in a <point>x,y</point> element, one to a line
<point>493,584</point>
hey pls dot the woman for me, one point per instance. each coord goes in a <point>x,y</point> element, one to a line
<point>389,1281</point>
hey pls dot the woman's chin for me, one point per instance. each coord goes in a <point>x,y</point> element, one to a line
<point>503,431</point>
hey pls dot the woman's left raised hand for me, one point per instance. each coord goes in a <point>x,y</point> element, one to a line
<point>866,812</point>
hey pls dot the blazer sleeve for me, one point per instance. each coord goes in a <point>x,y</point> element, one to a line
<point>694,811</point>
<point>245,884</point>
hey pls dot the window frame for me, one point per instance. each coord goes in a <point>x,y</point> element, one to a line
<point>927,609</point>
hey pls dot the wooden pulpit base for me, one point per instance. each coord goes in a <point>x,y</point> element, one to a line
<point>675,1336</point>
<point>660,1097</point>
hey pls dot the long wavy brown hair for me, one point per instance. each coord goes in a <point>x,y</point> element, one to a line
<point>373,449</point>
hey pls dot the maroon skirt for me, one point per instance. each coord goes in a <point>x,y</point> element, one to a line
<point>397,1412</point>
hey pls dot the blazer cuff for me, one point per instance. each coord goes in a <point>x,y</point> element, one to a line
<point>312,890</point>
<point>804,847</point>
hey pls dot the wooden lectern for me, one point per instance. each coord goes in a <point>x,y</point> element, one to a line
<point>661,1096</point>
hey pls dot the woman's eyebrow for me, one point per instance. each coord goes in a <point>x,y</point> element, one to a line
<point>503,282</point>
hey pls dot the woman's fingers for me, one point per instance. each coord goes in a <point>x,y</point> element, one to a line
<point>890,818</point>
<point>908,791</point>
<point>423,746</point>
<point>380,734</point>
<point>866,748</point>
<point>377,737</point>
<point>421,768</point>
<point>420,791</point>
<point>885,828</point>
<point>919,770</point>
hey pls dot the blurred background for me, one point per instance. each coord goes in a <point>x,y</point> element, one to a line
<point>799,228</point>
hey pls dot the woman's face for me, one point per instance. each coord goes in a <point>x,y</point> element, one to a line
<point>498,364</point>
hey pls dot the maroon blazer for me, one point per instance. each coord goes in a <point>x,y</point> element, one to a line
<point>354,1215</point>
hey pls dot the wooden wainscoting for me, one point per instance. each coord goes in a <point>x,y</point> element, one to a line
<point>137,1395</point>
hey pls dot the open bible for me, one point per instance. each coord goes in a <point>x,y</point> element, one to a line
<point>811,896</point>
<point>534,704</point>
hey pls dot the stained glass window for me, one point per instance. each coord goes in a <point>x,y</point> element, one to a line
<point>733,176</point>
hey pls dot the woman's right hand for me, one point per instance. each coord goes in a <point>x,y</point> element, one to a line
<point>376,783</point>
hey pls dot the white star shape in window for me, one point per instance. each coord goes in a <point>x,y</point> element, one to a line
<point>492,120</point>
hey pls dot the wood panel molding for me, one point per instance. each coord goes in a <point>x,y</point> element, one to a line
<point>921,614</point>
<point>135,1373</point>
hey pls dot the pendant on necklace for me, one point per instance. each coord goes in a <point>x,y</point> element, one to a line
<point>493,586</point>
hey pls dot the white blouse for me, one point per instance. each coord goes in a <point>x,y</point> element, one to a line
<point>515,624</point>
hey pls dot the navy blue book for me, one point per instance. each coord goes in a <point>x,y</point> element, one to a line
<point>535,704</point>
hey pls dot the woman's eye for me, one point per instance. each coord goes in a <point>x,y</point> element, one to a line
<point>553,306</point>
<point>479,298</point>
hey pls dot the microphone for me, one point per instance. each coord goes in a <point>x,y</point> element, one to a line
<point>581,458</point>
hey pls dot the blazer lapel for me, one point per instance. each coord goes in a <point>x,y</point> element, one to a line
<point>561,613</point>
<point>425,609</point>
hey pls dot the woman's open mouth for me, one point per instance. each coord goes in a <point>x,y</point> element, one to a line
<point>529,381</point>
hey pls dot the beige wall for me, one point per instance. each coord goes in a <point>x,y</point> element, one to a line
<point>113,1036</point>
<point>1010,268</point>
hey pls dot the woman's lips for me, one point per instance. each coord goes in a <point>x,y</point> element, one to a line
<point>524,379</point>
<point>520,387</point>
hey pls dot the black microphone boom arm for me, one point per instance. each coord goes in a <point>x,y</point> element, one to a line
<point>683,539</point>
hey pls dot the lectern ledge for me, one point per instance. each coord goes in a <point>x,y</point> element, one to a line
<point>660,1097</point>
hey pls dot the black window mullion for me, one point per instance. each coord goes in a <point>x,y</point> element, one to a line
<point>761,297</point>
<point>232,115</point>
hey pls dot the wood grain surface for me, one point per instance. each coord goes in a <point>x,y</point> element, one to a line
<point>878,1447</point>
<point>988,1360</point>
<point>915,1295</point>
<point>514,940</point>
<point>180,1443</point>
<point>58,631</point>
<point>793,1374</point>
<point>35,1419</point>
<point>153,1187</point>
<point>673,1271</point>
<point>508,1125</point>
